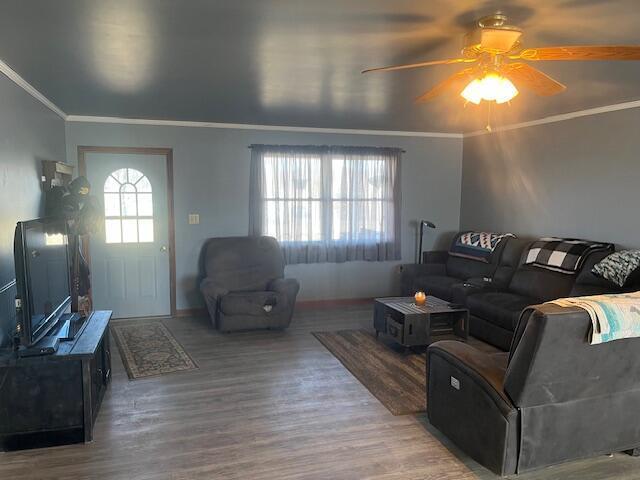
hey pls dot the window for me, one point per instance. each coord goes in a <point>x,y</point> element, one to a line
<point>293,198</point>
<point>128,207</point>
<point>53,239</point>
<point>332,203</point>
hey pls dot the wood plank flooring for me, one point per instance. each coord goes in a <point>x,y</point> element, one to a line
<point>265,406</point>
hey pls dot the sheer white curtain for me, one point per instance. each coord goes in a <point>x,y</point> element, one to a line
<point>327,204</point>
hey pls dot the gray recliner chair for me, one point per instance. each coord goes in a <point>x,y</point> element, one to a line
<point>551,399</point>
<point>244,286</point>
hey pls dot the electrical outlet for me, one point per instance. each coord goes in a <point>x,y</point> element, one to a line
<point>194,219</point>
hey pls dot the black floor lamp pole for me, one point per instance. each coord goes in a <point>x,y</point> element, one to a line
<point>423,223</point>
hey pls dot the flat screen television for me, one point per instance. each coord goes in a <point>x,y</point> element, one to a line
<point>42,277</point>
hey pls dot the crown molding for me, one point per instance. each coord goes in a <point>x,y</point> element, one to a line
<point>31,90</point>
<point>558,118</point>
<point>242,126</point>
<point>12,75</point>
<point>345,131</point>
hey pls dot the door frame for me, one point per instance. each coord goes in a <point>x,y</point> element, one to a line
<point>168,154</point>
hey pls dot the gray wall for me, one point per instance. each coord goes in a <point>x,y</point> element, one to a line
<point>576,178</point>
<point>29,133</point>
<point>211,170</point>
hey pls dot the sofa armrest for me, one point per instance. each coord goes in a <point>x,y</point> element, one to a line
<point>466,402</point>
<point>480,366</point>
<point>410,272</point>
<point>287,286</point>
<point>212,291</point>
<point>472,286</point>
<point>422,269</point>
<point>481,283</point>
<point>435,256</point>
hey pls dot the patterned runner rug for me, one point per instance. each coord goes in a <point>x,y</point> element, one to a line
<point>149,349</point>
<point>395,378</point>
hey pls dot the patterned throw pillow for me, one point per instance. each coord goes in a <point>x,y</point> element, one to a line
<point>618,267</point>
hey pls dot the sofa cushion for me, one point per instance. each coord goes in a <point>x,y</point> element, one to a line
<point>437,285</point>
<point>540,283</point>
<point>489,332</point>
<point>587,283</point>
<point>253,303</point>
<point>242,263</point>
<point>500,308</point>
<point>509,262</point>
<point>501,359</point>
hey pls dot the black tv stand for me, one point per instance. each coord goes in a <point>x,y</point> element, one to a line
<point>54,399</point>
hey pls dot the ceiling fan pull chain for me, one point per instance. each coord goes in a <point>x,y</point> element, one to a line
<point>489,129</point>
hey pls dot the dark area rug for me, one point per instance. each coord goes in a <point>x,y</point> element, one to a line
<point>396,378</point>
<point>149,349</point>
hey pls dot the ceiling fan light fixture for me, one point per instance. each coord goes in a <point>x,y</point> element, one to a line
<point>473,92</point>
<point>491,87</point>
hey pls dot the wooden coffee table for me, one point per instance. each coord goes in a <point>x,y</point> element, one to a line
<point>411,325</point>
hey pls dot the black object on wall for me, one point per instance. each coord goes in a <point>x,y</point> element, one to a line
<point>423,223</point>
<point>83,216</point>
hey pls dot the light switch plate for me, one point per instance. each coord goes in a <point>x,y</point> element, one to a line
<point>194,219</point>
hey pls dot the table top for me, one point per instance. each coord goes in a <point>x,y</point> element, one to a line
<point>83,346</point>
<point>407,305</point>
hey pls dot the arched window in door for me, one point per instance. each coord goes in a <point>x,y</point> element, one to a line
<point>128,207</point>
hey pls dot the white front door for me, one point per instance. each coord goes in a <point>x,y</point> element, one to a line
<point>130,271</point>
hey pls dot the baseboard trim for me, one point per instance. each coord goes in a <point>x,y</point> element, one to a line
<point>333,302</point>
<point>191,312</point>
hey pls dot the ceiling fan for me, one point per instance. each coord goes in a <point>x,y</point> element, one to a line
<point>496,69</point>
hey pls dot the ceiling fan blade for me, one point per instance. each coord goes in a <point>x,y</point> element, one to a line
<point>457,79</point>
<point>589,52</point>
<point>421,64</point>
<point>526,76</point>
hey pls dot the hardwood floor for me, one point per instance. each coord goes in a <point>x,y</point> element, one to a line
<point>265,405</point>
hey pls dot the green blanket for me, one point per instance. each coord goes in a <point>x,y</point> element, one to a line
<point>612,316</point>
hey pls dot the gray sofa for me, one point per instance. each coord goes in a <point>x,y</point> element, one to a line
<point>440,272</point>
<point>552,398</point>
<point>243,284</point>
<point>495,293</point>
<point>495,309</point>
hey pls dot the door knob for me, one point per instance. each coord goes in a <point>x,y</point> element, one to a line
<point>163,248</point>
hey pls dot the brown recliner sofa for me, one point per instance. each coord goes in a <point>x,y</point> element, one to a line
<point>552,398</point>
